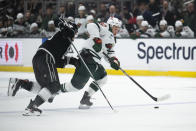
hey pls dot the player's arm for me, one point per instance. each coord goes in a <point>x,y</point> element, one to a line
<point>114,62</point>
<point>67,60</point>
<point>94,34</point>
<point>187,32</point>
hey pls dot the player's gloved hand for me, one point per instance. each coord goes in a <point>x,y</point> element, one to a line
<point>73,26</point>
<point>98,44</point>
<point>115,64</point>
<point>75,62</point>
<point>66,31</point>
<point>61,25</point>
<point>67,60</point>
<point>178,34</point>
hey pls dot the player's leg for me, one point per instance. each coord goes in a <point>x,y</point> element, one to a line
<point>100,76</point>
<point>69,86</point>
<point>15,84</point>
<point>47,76</point>
<point>81,75</point>
<point>78,81</point>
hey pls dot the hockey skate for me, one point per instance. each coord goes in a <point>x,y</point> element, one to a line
<point>85,102</point>
<point>32,110</point>
<point>14,86</point>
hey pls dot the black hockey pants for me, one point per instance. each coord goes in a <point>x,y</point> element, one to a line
<point>45,71</point>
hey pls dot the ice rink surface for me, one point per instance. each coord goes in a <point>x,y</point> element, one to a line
<point>135,109</point>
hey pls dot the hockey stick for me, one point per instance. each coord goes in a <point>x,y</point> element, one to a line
<point>91,74</point>
<point>152,97</point>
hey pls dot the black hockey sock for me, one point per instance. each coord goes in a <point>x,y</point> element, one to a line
<point>74,61</point>
<point>93,85</point>
<point>92,89</point>
<point>62,88</point>
<point>42,96</point>
<point>26,84</point>
<point>38,101</point>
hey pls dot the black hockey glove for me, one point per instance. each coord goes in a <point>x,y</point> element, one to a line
<point>73,26</point>
<point>67,60</point>
<point>98,44</point>
<point>67,31</point>
<point>115,64</point>
<point>75,62</point>
<point>61,63</point>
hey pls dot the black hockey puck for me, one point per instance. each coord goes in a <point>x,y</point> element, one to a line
<point>156,107</point>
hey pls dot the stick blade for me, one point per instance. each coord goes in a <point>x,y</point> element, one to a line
<point>165,97</point>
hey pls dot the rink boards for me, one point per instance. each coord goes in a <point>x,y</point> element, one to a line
<point>146,57</point>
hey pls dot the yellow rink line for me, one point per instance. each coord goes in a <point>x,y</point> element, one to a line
<point>109,71</point>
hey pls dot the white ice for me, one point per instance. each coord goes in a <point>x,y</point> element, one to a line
<point>135,109</point>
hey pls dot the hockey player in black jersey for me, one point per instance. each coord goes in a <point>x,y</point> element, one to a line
<point>49,57</point>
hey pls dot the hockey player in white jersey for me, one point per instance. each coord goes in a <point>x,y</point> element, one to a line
<point>171,30</point>
<point>163,32</point>
<point>144,31</point>
<point>183,31</point>
<point>80,20</point>
<point>101,40</point>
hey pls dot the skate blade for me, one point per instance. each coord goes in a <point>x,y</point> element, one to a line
<point>29,113</point>
<point>10,90</point>
<point>83,107</point>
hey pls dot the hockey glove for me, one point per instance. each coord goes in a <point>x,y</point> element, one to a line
<point>75,62</point>
<point>66,31</point>
<point>115,64</point>
<point>67,60</point>
<point>74,26</point>
<point>98,44</point>
<point>178,34</point>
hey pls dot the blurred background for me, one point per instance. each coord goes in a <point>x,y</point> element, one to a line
<point>39,18</point>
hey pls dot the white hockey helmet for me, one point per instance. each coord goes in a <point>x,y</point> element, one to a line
<point>163,22</point>
<point>51,22</point>
<point>144,23</point>
<point>89,17</point>
<point>178,23</point>
<point>19,16</point>
<point>93,11</point>
<point>114,22</point>
<point>81,8</point>
<point>33,25</point>
<point>71,19</point>
<point>139,17</point>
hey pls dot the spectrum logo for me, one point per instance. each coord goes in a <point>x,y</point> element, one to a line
<point>170,52</point>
